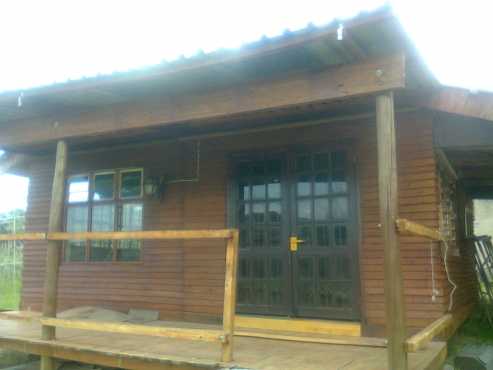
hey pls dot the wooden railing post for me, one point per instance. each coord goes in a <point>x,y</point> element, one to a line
<point>53,250</point>
<point>230,295</point>
<point>389,199</point>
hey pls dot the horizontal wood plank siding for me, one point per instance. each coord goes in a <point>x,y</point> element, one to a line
<point>186,279</point>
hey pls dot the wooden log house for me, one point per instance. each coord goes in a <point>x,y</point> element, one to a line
<point>339,168</point>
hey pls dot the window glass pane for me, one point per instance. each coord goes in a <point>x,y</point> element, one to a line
<point>75,250</point>
<point>103,186</point>
<point>132,217</point>
<point>129,250</point>
<point>78,189</point>
<point>131,184</point>
<point>103,219</point>
<point>77,219</point>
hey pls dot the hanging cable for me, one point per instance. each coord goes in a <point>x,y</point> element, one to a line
<point>434,291</point>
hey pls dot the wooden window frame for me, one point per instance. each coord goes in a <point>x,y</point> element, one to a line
<point>116,201</point>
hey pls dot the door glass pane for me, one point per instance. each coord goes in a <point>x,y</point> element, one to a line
<point>244,191</point>
<point>131,184</point>
<point>275,237</point>
<point>274,188</point>
<point>321,209</point>
<point>78,189</point>
<point>304,210</point>
<point>340,235</point>
<point>276,281</point>
<point>305,234</point>
<point>258,212</point>
<point>275,212</point>
<point>258,237</point>
<point>321,161</point>
<point>321,184</point>
<point>258,168</point>
<point>244,238</point>
<point>304,163</point>
<point>244,213</point>
<point>103,186</point>
<point>340,208</point>
<point>339,179</point>
<point>103,219</point>
<point>258,189</point>
<point>274,166</point>
<point>323,235</point>
<point>304,186</point>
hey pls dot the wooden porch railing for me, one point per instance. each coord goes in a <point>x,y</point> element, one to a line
<point>224,336</point>
<point>448,322</point>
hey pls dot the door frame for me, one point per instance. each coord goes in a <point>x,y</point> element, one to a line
<point>287,151</point>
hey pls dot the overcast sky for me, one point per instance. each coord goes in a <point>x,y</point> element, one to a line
<point>46,41</point>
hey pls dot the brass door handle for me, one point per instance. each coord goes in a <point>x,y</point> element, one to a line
<point>293,243</point>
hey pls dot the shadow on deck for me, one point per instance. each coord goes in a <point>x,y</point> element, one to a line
<point>149,353</point>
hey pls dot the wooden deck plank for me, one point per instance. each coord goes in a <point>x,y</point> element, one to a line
<point>149,353</point>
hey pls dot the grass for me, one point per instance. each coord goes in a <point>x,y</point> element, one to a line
<point>10,292</point>
<point>475,331</point>
<point>10,278</point>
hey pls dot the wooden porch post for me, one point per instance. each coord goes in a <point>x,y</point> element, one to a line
<point>54,247</point>
<point>389,199</point>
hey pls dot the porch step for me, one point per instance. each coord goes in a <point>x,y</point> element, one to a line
<point>302,326</point>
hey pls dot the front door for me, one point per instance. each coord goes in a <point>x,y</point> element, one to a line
<point>308,196</point>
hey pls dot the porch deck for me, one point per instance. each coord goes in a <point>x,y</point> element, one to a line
<point>143,352</point>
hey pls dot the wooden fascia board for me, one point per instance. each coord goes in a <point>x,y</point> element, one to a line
<point>461,102</point>
<point>368,77</point>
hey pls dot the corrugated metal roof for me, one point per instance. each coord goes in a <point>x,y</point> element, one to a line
<point>369,33</point>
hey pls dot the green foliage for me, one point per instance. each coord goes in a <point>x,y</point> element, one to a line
<point>475,331</point>
<point>11,261</point>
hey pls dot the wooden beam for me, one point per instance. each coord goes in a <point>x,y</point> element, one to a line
<point>324,339</point>
<point>206,335</point>
<point>229,310</point>
<point>445,164</point>
<point>143,235</point>
<point>54,248</point>
<point>122,235</point>
<point>389,201</point>
<point>92,354</point>
<point>405,226</point>
<point>308,87</point>
<point>23,237</point>
<point>446,325</point>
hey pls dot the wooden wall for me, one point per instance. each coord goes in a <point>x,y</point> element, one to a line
<point>185,279</point>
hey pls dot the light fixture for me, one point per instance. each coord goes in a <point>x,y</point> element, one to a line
<point>154,186</point>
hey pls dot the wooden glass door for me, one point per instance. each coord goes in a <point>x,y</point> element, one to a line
<point>324,266</point>
<point>309,196</point>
